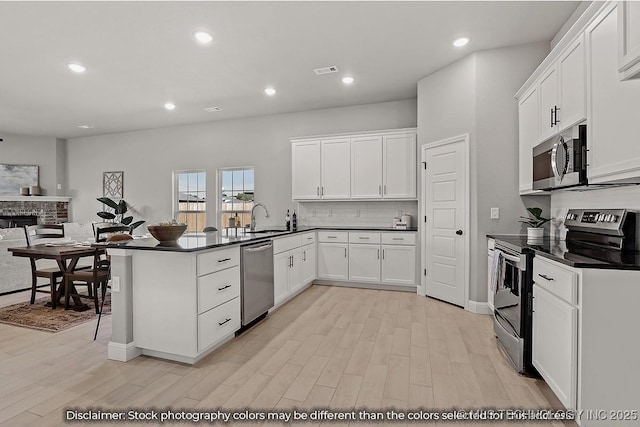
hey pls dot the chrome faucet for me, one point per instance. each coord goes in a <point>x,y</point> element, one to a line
<point>253,215</point>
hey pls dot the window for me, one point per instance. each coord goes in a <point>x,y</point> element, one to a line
<point>190,197</point>
<point>236,195</point>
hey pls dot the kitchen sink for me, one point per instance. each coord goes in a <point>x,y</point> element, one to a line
<point>265,231</point>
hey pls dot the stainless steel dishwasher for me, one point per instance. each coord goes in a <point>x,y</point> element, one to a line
<point>256,290</point>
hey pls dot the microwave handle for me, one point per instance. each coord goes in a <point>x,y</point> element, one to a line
<point>554,159</point>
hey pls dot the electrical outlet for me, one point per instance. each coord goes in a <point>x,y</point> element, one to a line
<point>115,284</point>
<point>59,187</point>
<point>495,213</point>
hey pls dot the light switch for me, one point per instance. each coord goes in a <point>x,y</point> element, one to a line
<point>495,213</point>
<point>115,284</point>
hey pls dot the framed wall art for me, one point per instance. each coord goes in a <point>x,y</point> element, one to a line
<point>113,184</point>
<point>15,177</point>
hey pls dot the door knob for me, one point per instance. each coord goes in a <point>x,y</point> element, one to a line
<point>459,232</point>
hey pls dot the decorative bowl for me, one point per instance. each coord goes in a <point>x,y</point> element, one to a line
<point>167,233</point>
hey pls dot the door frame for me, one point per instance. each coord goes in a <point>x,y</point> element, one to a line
<point>464,138</point>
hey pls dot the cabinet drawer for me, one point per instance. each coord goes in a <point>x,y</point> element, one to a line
<point>213,261</point>
<point>308,238</point>
<point>556,279</point>
<point>284,244</point>
<point>333,236</point>
<point>364,237</point>
<point>217,288</point>
<point>398,238</point>
<point>217,323</point>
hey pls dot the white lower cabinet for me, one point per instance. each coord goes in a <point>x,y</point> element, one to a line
<point>398,265</point>
<point>293,265</point>
<point>555,344</point>
<point>364,263</point>
<point>333,261</point>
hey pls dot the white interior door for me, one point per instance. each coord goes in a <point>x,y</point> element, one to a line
<point>445,203</point>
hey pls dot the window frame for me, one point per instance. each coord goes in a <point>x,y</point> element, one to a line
<point>176,211</point>
<point>219,211</point>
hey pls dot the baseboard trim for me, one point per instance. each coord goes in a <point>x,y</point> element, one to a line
<point>377,286</point>
<point>122,352</point>
<point>478,307</point>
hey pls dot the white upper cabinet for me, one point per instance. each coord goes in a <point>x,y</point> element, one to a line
<point>613,105</point>
<point>629,39</point>
<point>320,169</point>
<point>563,92</point>
<point>399,166</point>
<point>336,154</point>
<point>549,101</point>
<point>371,166</point>
<point>528,132</point>
<point>366,167</point>
<point>306,170</point>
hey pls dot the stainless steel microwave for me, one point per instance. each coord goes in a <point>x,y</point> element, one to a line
<point>559,162</point>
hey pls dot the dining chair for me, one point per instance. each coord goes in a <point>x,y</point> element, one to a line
<point>102,233</point>
<point>34,233</point>
<point>94,279</point>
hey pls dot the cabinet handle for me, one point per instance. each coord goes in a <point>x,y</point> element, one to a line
<point>224,287</point>
<point>383,254</point>
<point>384,191</point>
<point>545,277</point>
<point>552,117</point>
<point>304,255</point>
<point>226,321</point>
<point>317,191</point>
<point>332,237</point>
<point>363,238</point>
<point>379,189</point>
<point>224,260</point>
<point>398,238</point>
<point>345,252</point>
<point>322,191</point>
<point>555,115</point>
<point>378,253</point>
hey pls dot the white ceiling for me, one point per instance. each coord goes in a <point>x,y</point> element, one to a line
<point>140,55</point>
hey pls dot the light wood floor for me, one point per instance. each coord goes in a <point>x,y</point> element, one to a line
<point>332,347</point>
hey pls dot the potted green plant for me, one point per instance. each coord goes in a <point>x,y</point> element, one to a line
<point>117,215</point>
<point>534,229</point>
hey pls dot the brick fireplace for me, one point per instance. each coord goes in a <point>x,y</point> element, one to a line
<point>48,210</point>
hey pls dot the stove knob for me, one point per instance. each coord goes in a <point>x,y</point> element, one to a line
<point>614,218</point>
<point>609,218</point>
<point>600,217</point>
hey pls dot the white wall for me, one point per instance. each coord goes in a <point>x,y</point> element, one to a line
<point>475,96</point>
<point>46,152</point>
<point>149,157</point>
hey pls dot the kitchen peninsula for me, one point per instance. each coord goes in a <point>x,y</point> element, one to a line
<point>182,301</point>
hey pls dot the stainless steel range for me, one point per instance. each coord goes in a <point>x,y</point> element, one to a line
<point>596,238</point>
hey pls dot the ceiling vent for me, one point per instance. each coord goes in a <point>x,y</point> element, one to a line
<point>326,70</point>
<point>212,109</point>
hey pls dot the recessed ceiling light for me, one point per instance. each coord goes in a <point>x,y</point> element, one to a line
<point>348,80</point>
<point>270,91</point>
<point>461,41</point>
<point>86,127</point>
<point>203,37</point>
<point>170,106</point>
<point>77,68</point>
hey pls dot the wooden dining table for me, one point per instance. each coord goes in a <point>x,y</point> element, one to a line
<point>67,257</point>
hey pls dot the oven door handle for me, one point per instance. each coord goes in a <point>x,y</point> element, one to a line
<point>554,158</point>
<point>510,257</point>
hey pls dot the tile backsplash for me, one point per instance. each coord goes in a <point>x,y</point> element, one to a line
<point>354,213</point>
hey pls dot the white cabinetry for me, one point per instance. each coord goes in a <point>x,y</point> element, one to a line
<point>629,39</point>
<point>293,265</point>
<point>399,166</point>
<point>333,255</point>
<point>320,169</point>
<point>366,167</point>
<point>528,133</point>
<point>555,329</point>
<point>612,115</point>
<point>369,166</point>
<point>549,100</point>
<point>491,243</point>
<point>185,304</point>
<point>364,257</point>
<point>398,265</point>
<point>584,324</point>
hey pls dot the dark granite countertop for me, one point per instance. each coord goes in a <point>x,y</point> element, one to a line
<point>573,255</point>
<point>203,241</point>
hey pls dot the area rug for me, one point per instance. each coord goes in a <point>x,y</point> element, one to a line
<point>43,318</point>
